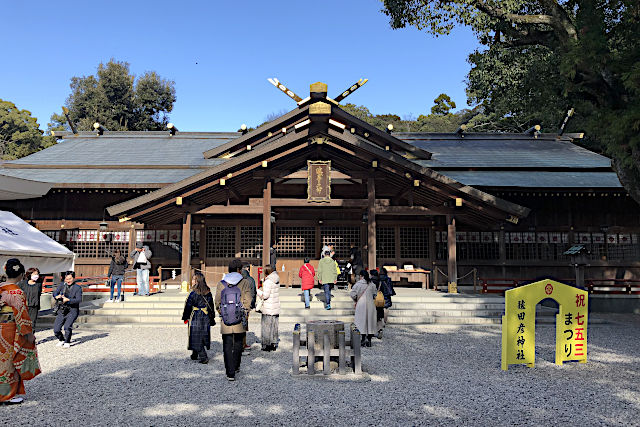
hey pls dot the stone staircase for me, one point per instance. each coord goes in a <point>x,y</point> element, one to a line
<point>410,307</point>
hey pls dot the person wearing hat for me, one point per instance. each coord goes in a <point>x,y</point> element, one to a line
<point>141,256</point>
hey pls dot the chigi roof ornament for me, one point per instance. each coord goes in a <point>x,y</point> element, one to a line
<point>317,90</point>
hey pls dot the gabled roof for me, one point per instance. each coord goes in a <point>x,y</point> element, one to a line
<point>201,188</point>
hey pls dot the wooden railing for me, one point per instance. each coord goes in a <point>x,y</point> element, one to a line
<point>593,286</point>
<point>100,283</point>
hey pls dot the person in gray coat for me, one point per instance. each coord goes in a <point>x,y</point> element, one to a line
<point>142,265</point>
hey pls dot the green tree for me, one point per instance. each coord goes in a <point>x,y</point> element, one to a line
<point>541,57</point>
<point>443,105</point>
<point>119,101</point>
<point>20,134</point>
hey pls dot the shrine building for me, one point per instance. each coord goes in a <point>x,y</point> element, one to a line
<point>508,205</point>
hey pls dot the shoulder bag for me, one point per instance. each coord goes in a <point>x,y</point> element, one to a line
<point>379,300</point>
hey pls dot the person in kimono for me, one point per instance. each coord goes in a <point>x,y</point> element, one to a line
<point>364,293</point>
<point>200,315</point>
<point>18,354</point>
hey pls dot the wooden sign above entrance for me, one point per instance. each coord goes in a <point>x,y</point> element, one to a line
<point>318,181</point>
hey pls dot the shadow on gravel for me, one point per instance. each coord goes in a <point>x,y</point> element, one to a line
<point>420,375</point>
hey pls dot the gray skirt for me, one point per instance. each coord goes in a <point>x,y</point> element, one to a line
<point>269,330</point>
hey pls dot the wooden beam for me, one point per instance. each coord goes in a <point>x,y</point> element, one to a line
<point>230,209</point>
<point>452,261</point>
<point>371,224</point>
<point>344,203</point>
<point>186,249</point>
<point>412,210</point>
<point>266,224</point>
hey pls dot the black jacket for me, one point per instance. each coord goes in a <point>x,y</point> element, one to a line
<point>74,293</point>
<point>117,269</point>
<point>31,292</point>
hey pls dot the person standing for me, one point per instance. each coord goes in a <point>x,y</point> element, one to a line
<point>68,296</point>
<point>363,293</point>
<point>233,294</point>
<point>31,287</point>
<point>198,313</point>
<point>386,285</point>
<point>245,274</point>
<point>328,276</point>
<point>270,294</point>
<point>116,273</point>
<point>273,256</point>
<point>18,354</point>
<point>356,259</point>
<point>141,256</point>
<point>307,273</point>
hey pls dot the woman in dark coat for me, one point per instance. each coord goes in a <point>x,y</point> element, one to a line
<point>32,288</point>
<point>200,315</point>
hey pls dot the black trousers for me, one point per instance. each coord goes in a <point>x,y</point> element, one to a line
<point>66,320</point>
<point>33,314</point>
<point>232,350</point>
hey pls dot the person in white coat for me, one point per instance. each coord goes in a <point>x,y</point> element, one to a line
<point>364,293</point>
<point>270,296</point>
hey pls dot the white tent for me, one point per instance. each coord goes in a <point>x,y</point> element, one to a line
<point>32,247</point>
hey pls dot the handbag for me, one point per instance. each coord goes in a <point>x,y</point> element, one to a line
<point>379,300</point>
<point>259,304</point>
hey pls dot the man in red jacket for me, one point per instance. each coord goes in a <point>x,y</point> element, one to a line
<point>307,274</point>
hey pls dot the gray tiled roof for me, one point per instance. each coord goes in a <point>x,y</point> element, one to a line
<point>477,151</point>
<point>103,176</point>
<point>530,179</point>
<point>488,151</point>
<point>139,149</point>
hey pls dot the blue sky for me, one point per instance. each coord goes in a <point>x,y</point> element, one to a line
<point>220,55</point>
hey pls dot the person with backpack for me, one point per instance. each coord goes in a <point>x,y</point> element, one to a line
<point>199,314</point>
<point>233,299</point>
<point>269,293</point>
<point>307,273</point>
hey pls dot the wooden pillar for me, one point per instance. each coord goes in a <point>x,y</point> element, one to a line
<point>432,252</point>
<point>452,261</point>
<point>266,223</point>
<point>371,224</point>
<point>186,249</point>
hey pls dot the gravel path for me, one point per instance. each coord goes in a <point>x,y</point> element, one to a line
<point>419,375</point>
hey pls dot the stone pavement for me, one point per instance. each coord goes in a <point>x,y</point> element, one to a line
<point>420,375</point>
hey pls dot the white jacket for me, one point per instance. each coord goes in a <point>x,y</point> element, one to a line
<point>270,293</point>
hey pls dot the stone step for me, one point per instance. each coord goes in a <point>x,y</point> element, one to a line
<point>444,306</point>
<point>126,311</point>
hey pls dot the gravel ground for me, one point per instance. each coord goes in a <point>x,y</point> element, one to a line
<point>420,375</point>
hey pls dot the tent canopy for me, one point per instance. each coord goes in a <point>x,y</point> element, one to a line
<point>32,247</point>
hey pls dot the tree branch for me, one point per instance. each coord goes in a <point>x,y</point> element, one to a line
<point>499,13</point>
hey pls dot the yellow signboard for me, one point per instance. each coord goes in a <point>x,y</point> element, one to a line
<point>519,322</point>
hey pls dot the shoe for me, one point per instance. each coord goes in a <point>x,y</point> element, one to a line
<point>328,307</point>
<point>110,300</point>
<point>16,400</point>
<point>369,342</point>
<point>379,336</point>
<point>231,378</point>
<point>246,353</point>
<point>307,308</point>
<point>194,356</point>
<point>204,362</point>
<point>66,345</point>
<point>60,344</point>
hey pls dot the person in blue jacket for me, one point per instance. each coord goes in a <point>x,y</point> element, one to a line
<point>68,296</point>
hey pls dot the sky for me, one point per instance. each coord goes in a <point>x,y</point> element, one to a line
<point>220,54</point>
